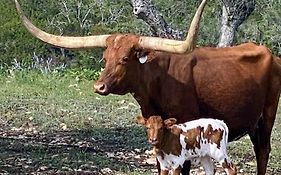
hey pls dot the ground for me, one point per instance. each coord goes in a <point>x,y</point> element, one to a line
<point>57,125</point>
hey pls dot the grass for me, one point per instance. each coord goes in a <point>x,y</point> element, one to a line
<point>53,124</point>
<point>52,100</point>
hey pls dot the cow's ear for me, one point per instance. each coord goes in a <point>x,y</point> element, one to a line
<point>143,59</point>
<point>141,120</point>
<point>170,122</point>
<point>143,56</point>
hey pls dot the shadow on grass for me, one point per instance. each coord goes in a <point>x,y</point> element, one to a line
<point>96,151</point>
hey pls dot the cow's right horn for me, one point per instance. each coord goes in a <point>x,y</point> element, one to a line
<point>175,46</point>
<point>62,41</point>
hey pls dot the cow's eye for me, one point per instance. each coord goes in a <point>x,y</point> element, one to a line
<point>124,60</point>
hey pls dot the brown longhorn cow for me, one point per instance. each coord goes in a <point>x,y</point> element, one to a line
<point>240,85</point>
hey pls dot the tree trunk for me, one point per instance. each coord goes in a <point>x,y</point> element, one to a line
<point>234,13</point>
<point>227,30</point>
<point>145,10</point>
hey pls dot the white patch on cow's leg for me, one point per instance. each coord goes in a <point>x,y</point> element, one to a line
<point>208,165</point>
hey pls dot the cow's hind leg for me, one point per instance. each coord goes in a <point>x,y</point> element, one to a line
<point>262,134</point>
<point>261,142</point>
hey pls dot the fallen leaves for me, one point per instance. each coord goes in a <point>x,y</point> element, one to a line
<point>63,126</point>
<point>100,153</point>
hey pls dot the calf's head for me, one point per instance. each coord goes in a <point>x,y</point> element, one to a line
<point>156,128</point>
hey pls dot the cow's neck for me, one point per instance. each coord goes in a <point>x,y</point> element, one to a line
<point>165,86</point>
<point>149,91</point>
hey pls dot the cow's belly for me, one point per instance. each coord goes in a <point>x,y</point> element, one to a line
<point>237,100</point>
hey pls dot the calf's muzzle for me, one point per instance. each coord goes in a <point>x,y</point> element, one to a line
<point>153,141</point>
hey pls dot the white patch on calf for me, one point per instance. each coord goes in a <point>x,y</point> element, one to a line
<point>171,161</point>
<point>206,151</point>
<point>215,123</point>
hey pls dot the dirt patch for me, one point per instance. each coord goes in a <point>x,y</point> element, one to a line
<point>99,151</point>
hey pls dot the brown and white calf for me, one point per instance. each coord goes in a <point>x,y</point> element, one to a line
<point>198,140</point>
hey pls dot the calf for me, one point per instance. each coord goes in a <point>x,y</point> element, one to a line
<point>197,140</point>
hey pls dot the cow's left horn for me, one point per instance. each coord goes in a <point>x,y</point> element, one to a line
<point>175,46</point>
<point>62,41</point>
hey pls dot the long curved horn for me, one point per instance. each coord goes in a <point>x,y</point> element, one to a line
<point>62,41</point>
<point>175,46</point>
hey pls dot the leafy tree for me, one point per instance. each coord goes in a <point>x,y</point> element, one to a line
<point>234,13</point>
<point>90,17</point>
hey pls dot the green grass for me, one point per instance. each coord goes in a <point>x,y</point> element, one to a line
<point>66,107</point>
<point>52,100</point>
<point>55,124</point>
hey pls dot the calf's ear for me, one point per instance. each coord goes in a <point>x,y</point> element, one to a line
<point>141,120</point>
<point>170,122</point>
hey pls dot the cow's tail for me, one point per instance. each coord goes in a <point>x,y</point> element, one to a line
<point>277,69</point>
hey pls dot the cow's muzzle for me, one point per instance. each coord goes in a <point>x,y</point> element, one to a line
<point>101,88</point>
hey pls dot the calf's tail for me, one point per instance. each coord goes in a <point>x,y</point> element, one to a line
<point>226,131</point>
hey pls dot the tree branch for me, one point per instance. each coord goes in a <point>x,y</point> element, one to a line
<point>145,10</point>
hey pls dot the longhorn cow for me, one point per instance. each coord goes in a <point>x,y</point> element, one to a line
<point>240,85</point>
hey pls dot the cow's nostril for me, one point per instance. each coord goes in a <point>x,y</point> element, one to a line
<point>100,88</point>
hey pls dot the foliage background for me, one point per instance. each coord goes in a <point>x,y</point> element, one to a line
<point>90,17</point>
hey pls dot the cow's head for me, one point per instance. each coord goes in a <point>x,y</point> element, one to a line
<point>122,64</point>
<point>121,50</point>
<point>156,128</point>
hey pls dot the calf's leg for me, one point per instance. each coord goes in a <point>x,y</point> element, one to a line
<point>208,165</point>
<point>186,168</point>
<point>177,171</point>
<point>164,172</point>
<point>229,168</point>
<point>158,167</point>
